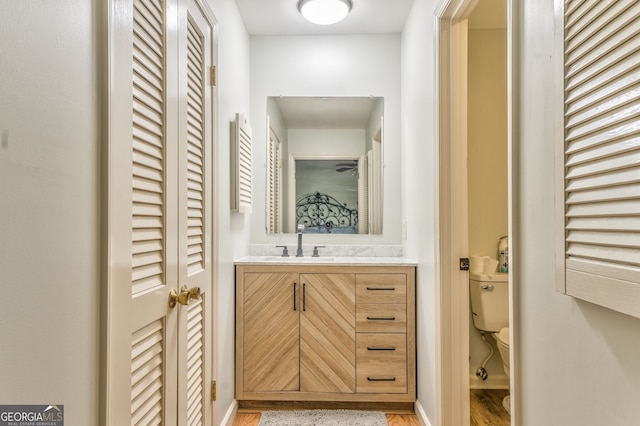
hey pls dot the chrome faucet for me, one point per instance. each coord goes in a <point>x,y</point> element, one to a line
<point>299,251</point>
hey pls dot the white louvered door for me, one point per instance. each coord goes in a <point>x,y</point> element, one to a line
<point>158,366</point>
<point>195,212</point>
<point>602,153</point>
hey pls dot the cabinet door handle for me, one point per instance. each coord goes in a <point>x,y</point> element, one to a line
<point>294,297</point>
<point>381,379</point>
<point>388,348</point>
<point>304,297</point>
<point>381,288</point>
<point>381,318</point>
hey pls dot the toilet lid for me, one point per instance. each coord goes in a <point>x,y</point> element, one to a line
<point>503,336</point>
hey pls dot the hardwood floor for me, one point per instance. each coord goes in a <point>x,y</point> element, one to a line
<point>253,419</point>
<point>250,419</point>
<point>486,408</point>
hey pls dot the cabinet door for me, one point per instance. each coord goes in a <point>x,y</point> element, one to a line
<point>328,333</point>
<point>271,332</point>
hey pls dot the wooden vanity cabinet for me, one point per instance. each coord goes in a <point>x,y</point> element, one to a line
<point>325,333</point>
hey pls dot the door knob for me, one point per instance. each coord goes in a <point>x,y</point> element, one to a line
<point>182,298</point>
<point>194,293</point>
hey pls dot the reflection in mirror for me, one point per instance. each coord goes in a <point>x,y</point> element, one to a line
<point>324,164</point>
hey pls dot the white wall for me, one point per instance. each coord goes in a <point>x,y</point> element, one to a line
<point>419,161</point>
<point>233,228</point>
<point>349,65</point>
<point>50,209</point>
<point>577,363</point>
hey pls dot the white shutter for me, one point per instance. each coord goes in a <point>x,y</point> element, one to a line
<point>241,162</point>
<point>602,152</point>
<point>274,179</point>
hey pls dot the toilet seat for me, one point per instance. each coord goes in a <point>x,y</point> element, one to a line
<point>502,338</point>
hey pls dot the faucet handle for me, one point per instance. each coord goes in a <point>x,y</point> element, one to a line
<point>285,251</point>
<point>315,251</point>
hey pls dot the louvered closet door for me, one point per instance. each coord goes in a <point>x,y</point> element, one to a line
<point>159,215</point>
<point>194,357</point>
<point>150,323</point>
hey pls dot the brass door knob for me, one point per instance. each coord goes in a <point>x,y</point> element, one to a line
<point>182,298</point>
<point>194,293</point>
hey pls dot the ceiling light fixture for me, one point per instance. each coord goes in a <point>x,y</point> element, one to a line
<point>324,12</point>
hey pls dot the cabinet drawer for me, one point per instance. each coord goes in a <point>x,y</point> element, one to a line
<point>381,318</point>
<point>381,363</point>
<point>381,288</point>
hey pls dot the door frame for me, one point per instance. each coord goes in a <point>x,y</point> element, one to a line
<point>451,31</point>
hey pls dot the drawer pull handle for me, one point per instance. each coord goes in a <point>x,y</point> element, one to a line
<point>294,297</point>
<point>381,379</point>
<point>381,318</point>
<point>373,348</point>
<point>381,288</point>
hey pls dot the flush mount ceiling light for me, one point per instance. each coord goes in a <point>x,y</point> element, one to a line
<point>324,12</point>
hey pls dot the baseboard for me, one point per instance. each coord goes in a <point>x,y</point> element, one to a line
<point>230,415</point>
<point>494,381</point>
<point>420,414</point>
<point>250,406</point>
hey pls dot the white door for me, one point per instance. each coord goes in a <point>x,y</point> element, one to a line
<point>195,207</point>
<point>158,355</point>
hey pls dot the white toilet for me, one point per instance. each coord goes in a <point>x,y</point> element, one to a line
<point>490,309</point>
<point>502,339</point>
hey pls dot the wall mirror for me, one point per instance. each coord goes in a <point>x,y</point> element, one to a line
<point>324,164</point>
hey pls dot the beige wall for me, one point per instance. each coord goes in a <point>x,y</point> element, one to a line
<point>487,140</point>
<point>50,209</point>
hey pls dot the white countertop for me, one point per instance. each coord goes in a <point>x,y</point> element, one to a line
<point>326,260</point>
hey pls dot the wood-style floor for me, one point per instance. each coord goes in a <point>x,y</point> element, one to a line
<point>253,419</point>
<point>487,409</point>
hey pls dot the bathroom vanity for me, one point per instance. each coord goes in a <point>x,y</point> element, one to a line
<point>325,330</point>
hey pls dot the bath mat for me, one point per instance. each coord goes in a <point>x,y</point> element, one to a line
<point>323,418</point>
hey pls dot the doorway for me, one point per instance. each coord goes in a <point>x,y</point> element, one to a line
<point>455,122</point>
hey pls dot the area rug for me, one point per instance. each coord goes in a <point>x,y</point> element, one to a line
<point>323,418</point>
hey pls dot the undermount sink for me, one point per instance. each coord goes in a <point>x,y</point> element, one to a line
<point>322,260</point>
<point>293,259</point>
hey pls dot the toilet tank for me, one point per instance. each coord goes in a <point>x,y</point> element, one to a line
<point>489,300</point>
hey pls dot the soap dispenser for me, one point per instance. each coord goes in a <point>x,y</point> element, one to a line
<point>503,254</point>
